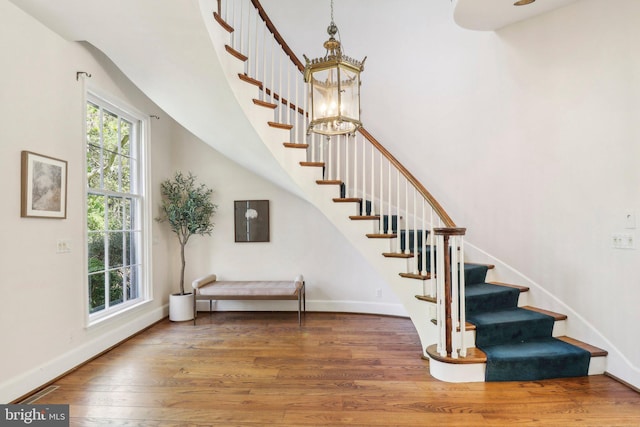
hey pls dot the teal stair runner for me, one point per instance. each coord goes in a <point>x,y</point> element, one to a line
<point>518,342</point>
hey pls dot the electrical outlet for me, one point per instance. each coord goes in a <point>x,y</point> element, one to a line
<point>63,246</point>
<point>379,293</point>
<point>623,241</point>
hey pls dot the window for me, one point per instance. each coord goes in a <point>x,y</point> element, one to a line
<point>115,209</point>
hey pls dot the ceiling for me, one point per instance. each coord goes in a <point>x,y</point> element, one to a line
<point>491,15</point>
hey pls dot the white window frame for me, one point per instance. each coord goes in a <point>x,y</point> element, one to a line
<point>95,96</point>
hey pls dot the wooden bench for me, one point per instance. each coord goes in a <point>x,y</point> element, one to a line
<point>210,288</point>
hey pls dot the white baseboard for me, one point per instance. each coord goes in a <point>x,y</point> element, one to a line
<point>26,382</point>
<point>312,305</point>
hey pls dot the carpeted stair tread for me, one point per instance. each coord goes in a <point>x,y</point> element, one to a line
<point>535,359</point>
<point>475,273</point>
<point>510,325</point>
<point>518,341</point>
<point>481,295</point>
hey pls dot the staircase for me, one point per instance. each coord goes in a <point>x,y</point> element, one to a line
<point>394,222</point>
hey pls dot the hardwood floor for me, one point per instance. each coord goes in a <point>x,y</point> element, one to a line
<point>258,369</point>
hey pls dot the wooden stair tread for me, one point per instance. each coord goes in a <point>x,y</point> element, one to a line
<point>595,351</point>
<point>363,217</point>
<point>396,255</point>
<point>250,80</point>
<point>556,316</point>
<point>312,164</point>
<point>416,276</point>
<point>381,236</point>
<point>426,298</point>
<point>468,326</point>
<point>266,104</point>
<point>347,199</point>
<point>489,266</point>
<point>222,22</point>
<point>295,145</point>
<point>328,182</point>
<point>509,285</point>
<point>235,53</point>
<point>474,355</point>
<point>280,125</point>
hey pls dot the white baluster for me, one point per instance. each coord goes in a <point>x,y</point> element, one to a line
<point>240,30</point>
<point>406,209</point>
<point>440,309</point>
<point>398,210</point>
<point>364,175</point>
<point>389,204</point>
<point>289,64</point>
<point>423,248</point>
<point>381,197</point>
<point>347,166</point>
<point>455,314</point>
<point>355,165</point>
<point>234,36</point>
<point>296,113</point>
<point>415,231</point>
<point>373,180</point>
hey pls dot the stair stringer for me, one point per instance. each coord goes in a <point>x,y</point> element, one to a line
<point>321,196</point>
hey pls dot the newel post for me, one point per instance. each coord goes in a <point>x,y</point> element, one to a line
<point>448,280</point>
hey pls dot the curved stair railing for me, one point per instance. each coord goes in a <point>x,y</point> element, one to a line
<point>384,191</point>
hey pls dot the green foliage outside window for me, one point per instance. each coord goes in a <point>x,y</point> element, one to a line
<point>110,209</point>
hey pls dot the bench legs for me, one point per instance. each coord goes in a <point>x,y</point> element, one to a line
<point>302,305</point>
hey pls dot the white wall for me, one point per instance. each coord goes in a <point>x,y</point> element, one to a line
<point>42,308</point>
<point>528,136</point>
<point>42,296</point>
<point>301,241</point>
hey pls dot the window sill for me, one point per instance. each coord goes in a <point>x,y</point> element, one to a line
<point>101,319</point>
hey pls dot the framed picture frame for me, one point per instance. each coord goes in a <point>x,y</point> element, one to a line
<point>44,186</point>
<point>251,220</point>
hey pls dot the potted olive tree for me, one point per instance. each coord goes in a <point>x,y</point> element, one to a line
<point>188,209</point>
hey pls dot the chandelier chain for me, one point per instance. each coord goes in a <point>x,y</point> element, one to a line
<point>332,11</point>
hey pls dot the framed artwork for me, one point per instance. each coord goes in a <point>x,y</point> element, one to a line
<point>251,220</point>
<point>44,186</point>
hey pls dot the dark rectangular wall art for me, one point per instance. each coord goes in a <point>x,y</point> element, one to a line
<point>251,219</point>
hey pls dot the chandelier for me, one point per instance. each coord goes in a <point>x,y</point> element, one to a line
<point>334,88</point>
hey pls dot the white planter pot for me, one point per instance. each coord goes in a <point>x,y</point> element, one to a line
<point>180,307</point>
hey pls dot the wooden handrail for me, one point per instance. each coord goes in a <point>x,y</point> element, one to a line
<point>277,35</point>
<point>446,219</point>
